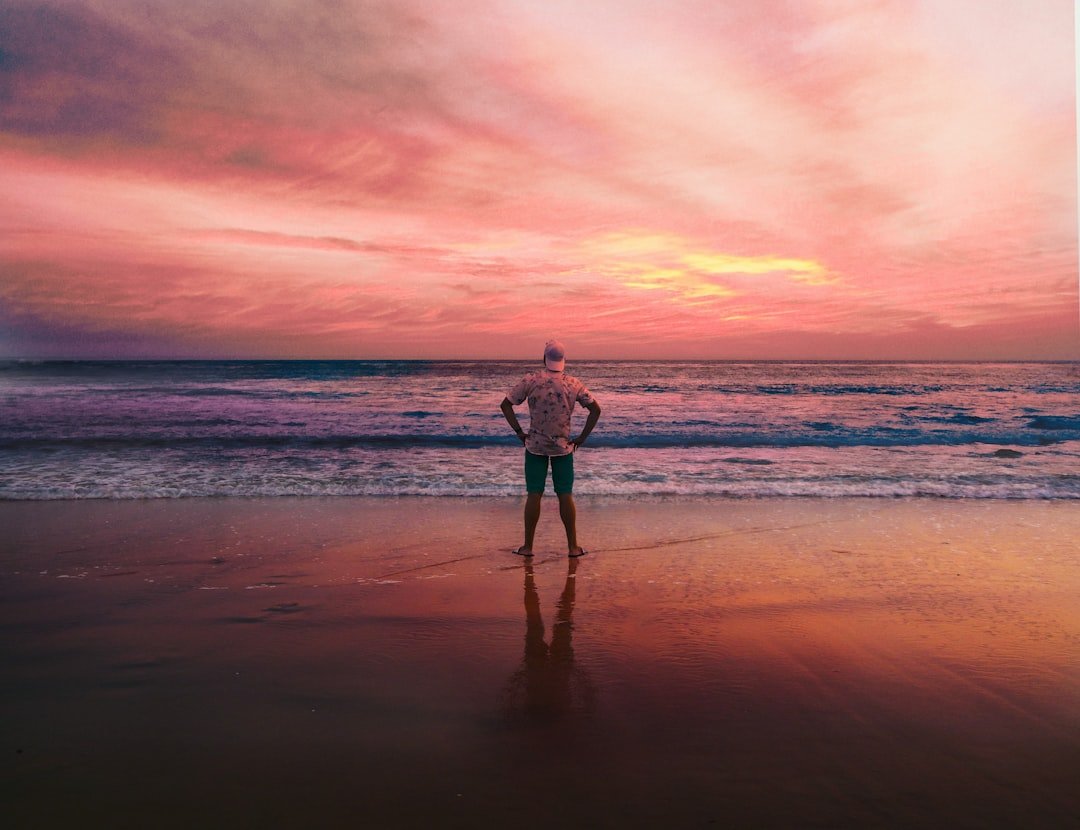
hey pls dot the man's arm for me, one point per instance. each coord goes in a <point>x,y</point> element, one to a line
<point>594,416</point>
<point>511,418</point>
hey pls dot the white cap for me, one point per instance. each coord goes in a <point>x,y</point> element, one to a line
<point>555,355</point>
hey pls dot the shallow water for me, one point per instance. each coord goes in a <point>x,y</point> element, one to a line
<point>387,662</point>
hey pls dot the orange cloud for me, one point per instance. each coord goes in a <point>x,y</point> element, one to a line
<point>688,271</point>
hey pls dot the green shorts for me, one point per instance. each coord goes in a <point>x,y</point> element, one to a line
<point>562,472</point>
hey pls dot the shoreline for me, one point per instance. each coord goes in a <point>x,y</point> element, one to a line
<point>597,497</point>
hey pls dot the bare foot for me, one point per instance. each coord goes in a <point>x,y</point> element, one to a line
<point>523,551</point>
<point>574,553</point>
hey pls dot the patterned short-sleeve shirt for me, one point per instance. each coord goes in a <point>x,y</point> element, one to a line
<point>551,397</point>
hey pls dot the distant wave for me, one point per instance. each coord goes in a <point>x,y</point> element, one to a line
<point>819,435</point>
<point>1056,422</point>
<point>834,389</point>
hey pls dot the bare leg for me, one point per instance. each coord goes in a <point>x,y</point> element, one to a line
<point>568,513</point>
<point>532,516</point>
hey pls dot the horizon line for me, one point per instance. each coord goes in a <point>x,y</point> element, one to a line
<point>533,360</point>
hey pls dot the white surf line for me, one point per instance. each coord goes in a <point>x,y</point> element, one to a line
<point>660,544</point>
<point>431,565</point>
<point>736,532</point>
<point>390,553</point>
<point>535,562</point>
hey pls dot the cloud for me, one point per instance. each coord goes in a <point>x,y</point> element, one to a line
<point>70,74</point>
<point>292,175</point>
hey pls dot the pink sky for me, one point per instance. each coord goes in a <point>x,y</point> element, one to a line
<point>765,179</point>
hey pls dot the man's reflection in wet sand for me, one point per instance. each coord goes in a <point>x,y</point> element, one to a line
<point>548,686</point>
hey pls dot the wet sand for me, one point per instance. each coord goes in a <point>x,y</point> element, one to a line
<point>388,663</point>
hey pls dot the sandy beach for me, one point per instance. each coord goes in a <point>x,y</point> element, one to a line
<point>388,663</point>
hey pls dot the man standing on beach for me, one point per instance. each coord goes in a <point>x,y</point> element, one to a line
<point>551,394</point>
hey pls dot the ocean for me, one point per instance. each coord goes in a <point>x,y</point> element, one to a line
<point>165,429</point>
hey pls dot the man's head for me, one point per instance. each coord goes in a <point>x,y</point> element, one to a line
<point>555,356</point>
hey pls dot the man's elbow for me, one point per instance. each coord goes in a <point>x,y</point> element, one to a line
<point>594,408</point>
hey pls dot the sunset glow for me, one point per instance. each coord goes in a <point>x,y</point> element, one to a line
<point>824,179</point>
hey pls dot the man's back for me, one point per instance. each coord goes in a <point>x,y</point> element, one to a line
<point>551,396</point>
